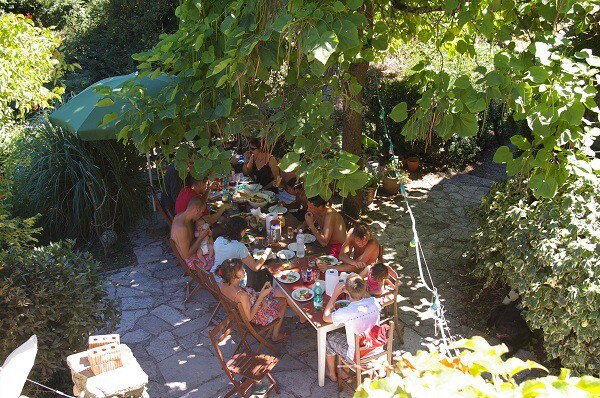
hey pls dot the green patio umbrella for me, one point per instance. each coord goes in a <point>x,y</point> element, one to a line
<point>82,117</point>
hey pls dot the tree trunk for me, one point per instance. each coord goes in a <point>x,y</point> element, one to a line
<point>352,127</point>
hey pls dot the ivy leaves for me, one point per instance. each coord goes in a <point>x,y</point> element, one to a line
<point>547,250</point>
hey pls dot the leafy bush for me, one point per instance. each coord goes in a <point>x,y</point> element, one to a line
<point>548,251</point>
<point>14,231</point>
<point>75,185</point>
<point>46,12</point>
<point>57,294</point>
<point>478,371</point>
<point>28,61</point>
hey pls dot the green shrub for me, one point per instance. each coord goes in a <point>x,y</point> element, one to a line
<point>548,251</point>
<point>45,12</point>
<point>14,231</point>
<point>75,185</point>
<point>477,371</point>
<point>57,294</point>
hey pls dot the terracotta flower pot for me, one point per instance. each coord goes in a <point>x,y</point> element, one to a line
<point>391,185</point>
<point>413,164</point>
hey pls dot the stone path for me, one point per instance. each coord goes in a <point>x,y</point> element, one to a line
<point>170,338</point>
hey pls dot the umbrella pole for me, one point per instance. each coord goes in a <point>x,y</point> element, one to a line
<point>150,178</point>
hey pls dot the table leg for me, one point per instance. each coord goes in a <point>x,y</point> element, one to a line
<point>321,353</point>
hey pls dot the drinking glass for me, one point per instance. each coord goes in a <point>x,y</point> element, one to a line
<point>290,233</point>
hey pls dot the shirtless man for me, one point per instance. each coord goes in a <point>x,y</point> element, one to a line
<point>183,228</point>
<point>363,246</point>
<point>333,227</point>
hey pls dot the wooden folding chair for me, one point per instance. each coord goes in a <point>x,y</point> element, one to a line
<point>393,277</point>
<point>367,365</point>
<point>189,272</point>
<point>164,212</point>
<point>211,285</point>
<point>245,368</point>
<point>245,326</point>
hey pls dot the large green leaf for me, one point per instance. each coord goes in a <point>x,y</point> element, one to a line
<point>350,183</point>
<point>325,45</point>
<point>282,22</point>
<point>347,34</point>
<point>290,162</point>
<point>399,113</point>
<point>502,154</point>
<point>465,124</point>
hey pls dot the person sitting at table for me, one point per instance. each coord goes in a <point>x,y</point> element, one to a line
<point>261,166</point>
<point>360,249</point>
<point>360,315</point>
<point>287,193</point>
<point>377,278</point>
<point>229,245</point>
<point>262,308</point>
<point>201,189</point>
<point>182,233</point>
<point>333,226</point>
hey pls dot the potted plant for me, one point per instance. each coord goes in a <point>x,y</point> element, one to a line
<point>413,164</point>
<point>370,187</point>
<point>393,174</point>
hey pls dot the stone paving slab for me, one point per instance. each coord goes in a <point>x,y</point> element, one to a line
<point>170,338</point>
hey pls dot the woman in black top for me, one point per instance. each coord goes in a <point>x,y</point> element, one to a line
<point>261,166</point>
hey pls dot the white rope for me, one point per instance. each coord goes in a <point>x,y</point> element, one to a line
<point>62,394</point>
<point>440,322</point>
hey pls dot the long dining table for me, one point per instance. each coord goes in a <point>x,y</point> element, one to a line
<point>315,318</point>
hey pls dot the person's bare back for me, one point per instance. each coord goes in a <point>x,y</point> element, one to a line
<point>335,221</point>
<point>182,229</point>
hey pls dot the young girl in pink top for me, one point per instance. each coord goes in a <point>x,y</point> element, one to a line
<point>376,277</point>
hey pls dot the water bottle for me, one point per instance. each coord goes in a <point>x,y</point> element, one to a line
<point>318,297</point>
<point>300,244</point>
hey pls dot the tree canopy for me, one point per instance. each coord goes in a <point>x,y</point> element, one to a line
<point>282,67</point>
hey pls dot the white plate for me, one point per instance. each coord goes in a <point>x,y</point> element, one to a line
<point>329,260</point>
<point>256,253</point>
<point>288,276</point>
<point>296,294</point>
<point>286,254</point>
<point>309,238</point>
<point>278,209</point>
<point>292,246</point>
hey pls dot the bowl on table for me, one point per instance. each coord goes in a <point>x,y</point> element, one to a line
<point>258,200</point>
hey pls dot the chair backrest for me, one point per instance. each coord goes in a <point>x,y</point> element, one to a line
<point>210,283</point>
<point>177,254</point>
<point>164,212</point>
<point>387,352</point>
<point>217,335</point>
<point>380,255</point>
